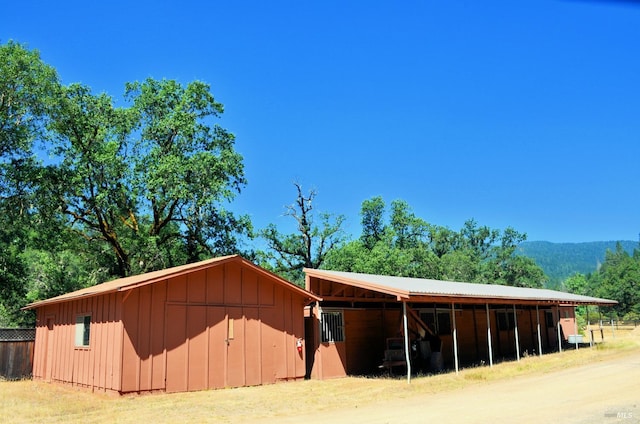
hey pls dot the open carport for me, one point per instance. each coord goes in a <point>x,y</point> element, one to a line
<point>365,322</point>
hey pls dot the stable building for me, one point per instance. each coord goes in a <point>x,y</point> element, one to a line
<point>366,322</point>
<point>223,322</point>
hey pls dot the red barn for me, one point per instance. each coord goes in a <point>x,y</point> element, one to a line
<point>223,322</point>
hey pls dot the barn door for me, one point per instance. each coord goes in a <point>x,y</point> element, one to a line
<point>217,322</point>
<point>205,348</point>
<point>235,348</point>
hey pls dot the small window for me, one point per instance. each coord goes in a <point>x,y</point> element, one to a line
<point>331,327</point>
<point>438,322</point>
<point>444,323</point>
<point>429,320</point>
<point>83,330</point>
<point>548,317</point>
<point>505,320</point>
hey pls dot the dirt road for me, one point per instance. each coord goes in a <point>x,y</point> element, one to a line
<point>605,392</point>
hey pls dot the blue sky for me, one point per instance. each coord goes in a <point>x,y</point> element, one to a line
<point>522,114</point>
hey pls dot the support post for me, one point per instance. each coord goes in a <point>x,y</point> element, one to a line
<point>538,330</point>
<point>515,331</point>
<point>589,329</point>
<point>559,334</point>
<point>575,325</point>
<point>455,336</point>
<point>407,352</point>
<point>613,329</point>
<point>489,337</point>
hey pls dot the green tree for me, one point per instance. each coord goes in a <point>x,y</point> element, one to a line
<point>620,280</point>
<point>148,180</point>
<point>27,87</point>
<point>409,230</point>
<point>577,284</point>
<point>372,221</point>
<point>125,189</point>
<point>409,246</point>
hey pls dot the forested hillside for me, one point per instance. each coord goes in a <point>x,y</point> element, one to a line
<point>560,260</point>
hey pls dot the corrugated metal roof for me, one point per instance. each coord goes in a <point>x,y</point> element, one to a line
<point>134,281</point>
<point>408,287</point>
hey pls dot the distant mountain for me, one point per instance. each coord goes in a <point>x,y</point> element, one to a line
<point>561,260</point>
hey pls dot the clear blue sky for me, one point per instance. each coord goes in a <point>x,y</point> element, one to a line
<point>522,114</point>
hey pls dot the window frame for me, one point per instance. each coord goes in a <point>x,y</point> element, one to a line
<point>505,320</point>
<point>549,319</point>
<point>332,330</point>
<point>82,338</point>
<point>439,320</point>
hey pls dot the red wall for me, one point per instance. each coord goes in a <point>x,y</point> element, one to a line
<point>224,326</point>
<point>57,359</point>
<point>367,329</point>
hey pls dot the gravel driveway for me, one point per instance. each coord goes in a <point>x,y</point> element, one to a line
<point>605,392</point>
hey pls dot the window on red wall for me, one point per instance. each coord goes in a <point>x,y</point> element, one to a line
<point>548,317</point>
<point>83,330</point>
<point>331,326</point>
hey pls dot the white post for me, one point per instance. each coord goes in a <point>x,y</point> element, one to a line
<point>515,322</point>
<point>407,353</point>
<point>613,329</point>
<point>489,337</point>
<point>455,336</point>
<point>559,341</point>
<point>575,325</point>
<point>539,336</point>
<point>589,329</point>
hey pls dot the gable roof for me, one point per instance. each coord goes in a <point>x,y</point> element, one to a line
<point>405,288</point>
<point>134,281</point>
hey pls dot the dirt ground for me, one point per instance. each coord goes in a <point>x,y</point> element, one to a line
<point>605,392</point>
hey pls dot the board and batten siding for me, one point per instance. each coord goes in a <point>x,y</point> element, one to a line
<point>225,326</point>
<point>227,323</point>
<point>56,358</point>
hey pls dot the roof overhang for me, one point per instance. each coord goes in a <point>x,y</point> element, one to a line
<point>401,295</point>
<point>136,281</point>
<point>409,289</point>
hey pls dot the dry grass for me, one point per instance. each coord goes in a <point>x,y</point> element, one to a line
<point>28,401</point>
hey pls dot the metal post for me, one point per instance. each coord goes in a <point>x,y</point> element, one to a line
<point>613,329</point>
<point>575,325</point>
<point>455,336</point>
<point>600,325</point>
<point>559,334</point>
<point>589,329</point>
<point>489,337</point>
<point>515,321</point>
<point>539,336</point>
<point>407,353</point>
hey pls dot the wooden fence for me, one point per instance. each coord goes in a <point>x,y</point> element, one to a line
<point>16,352</point>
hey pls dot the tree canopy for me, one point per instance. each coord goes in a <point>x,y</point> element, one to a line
<point>91,190</point>
<point>618,279</point>
<point>407,245</point>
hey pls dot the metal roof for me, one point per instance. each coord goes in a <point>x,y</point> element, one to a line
<point>405,287</point>
<point>135,281</point>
